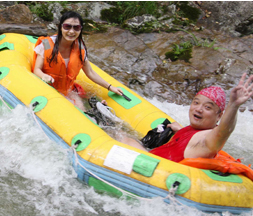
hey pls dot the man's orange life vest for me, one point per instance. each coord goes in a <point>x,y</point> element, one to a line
<point>64,77</point>
<point>222,162</point>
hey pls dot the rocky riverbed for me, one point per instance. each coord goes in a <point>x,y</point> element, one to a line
<point>221,48</point>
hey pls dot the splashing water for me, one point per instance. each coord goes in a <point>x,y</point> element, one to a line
<point>37,178</point>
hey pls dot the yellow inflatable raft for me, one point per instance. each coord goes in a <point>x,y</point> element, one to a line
<point>105,163</point>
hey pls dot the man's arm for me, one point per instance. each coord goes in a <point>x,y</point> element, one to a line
<point>216,139</point>
<point>175,126</point>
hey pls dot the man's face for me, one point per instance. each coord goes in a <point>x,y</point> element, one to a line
<point>204,113</point>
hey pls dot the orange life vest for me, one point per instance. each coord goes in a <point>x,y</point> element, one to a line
<point>64,77</point>
<point>222,162</point>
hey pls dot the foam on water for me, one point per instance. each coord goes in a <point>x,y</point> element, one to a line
<point>37,177</point>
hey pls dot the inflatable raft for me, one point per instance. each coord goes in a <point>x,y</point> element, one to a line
<point>103,162</point>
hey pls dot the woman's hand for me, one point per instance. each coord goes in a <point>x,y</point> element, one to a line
<point>115,90</point>
<point>47,78</point>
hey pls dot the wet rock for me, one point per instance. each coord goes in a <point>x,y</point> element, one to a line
<point>233,17</point>
<point>52,26</point>
<point>16,14</point>
<point>123,50</point>
<point>56,9</point>
<point>246,26</point>
<point>92,10</point>
<point>31,29</point>
<point>139,62</point>
<point>162,42</point>
<point>139,21</point>
<point>4,4</point>
<point>205,59</point>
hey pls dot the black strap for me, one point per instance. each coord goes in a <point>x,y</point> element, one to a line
<point>220,173</point>
<point>127,98</point>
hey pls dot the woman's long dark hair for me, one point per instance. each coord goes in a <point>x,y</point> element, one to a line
<point>67,15</point>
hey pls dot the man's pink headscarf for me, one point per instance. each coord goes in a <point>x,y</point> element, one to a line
<point>216,94</point>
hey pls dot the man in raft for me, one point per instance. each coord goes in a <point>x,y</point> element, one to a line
<point>203,137</point>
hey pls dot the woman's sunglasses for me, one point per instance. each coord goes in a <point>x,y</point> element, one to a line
<point>68,27</point>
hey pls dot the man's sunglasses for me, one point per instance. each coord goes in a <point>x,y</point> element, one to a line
<point>68,27</point>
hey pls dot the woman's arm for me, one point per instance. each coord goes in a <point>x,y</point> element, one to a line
<point>92,75</point>
<point>38,70</point>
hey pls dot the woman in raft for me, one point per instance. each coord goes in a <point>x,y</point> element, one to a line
<point>59,58</point>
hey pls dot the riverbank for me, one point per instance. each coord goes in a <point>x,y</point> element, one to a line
<point>169,65</point>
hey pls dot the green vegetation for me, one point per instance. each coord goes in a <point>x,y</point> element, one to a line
<point>147,27</point>
<point>91,26</point>
<point>185,14</point>
<point>164,17</point>
<point>200,42</point>
<point>44,13</point>
<point>124,10</point>
<point>180,52</point>
<point>184,49</point>
<point>41,10</point>
<point>111,15</point>
<point>186,11</point>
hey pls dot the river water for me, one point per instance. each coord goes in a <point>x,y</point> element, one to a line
<point>37,178</point>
